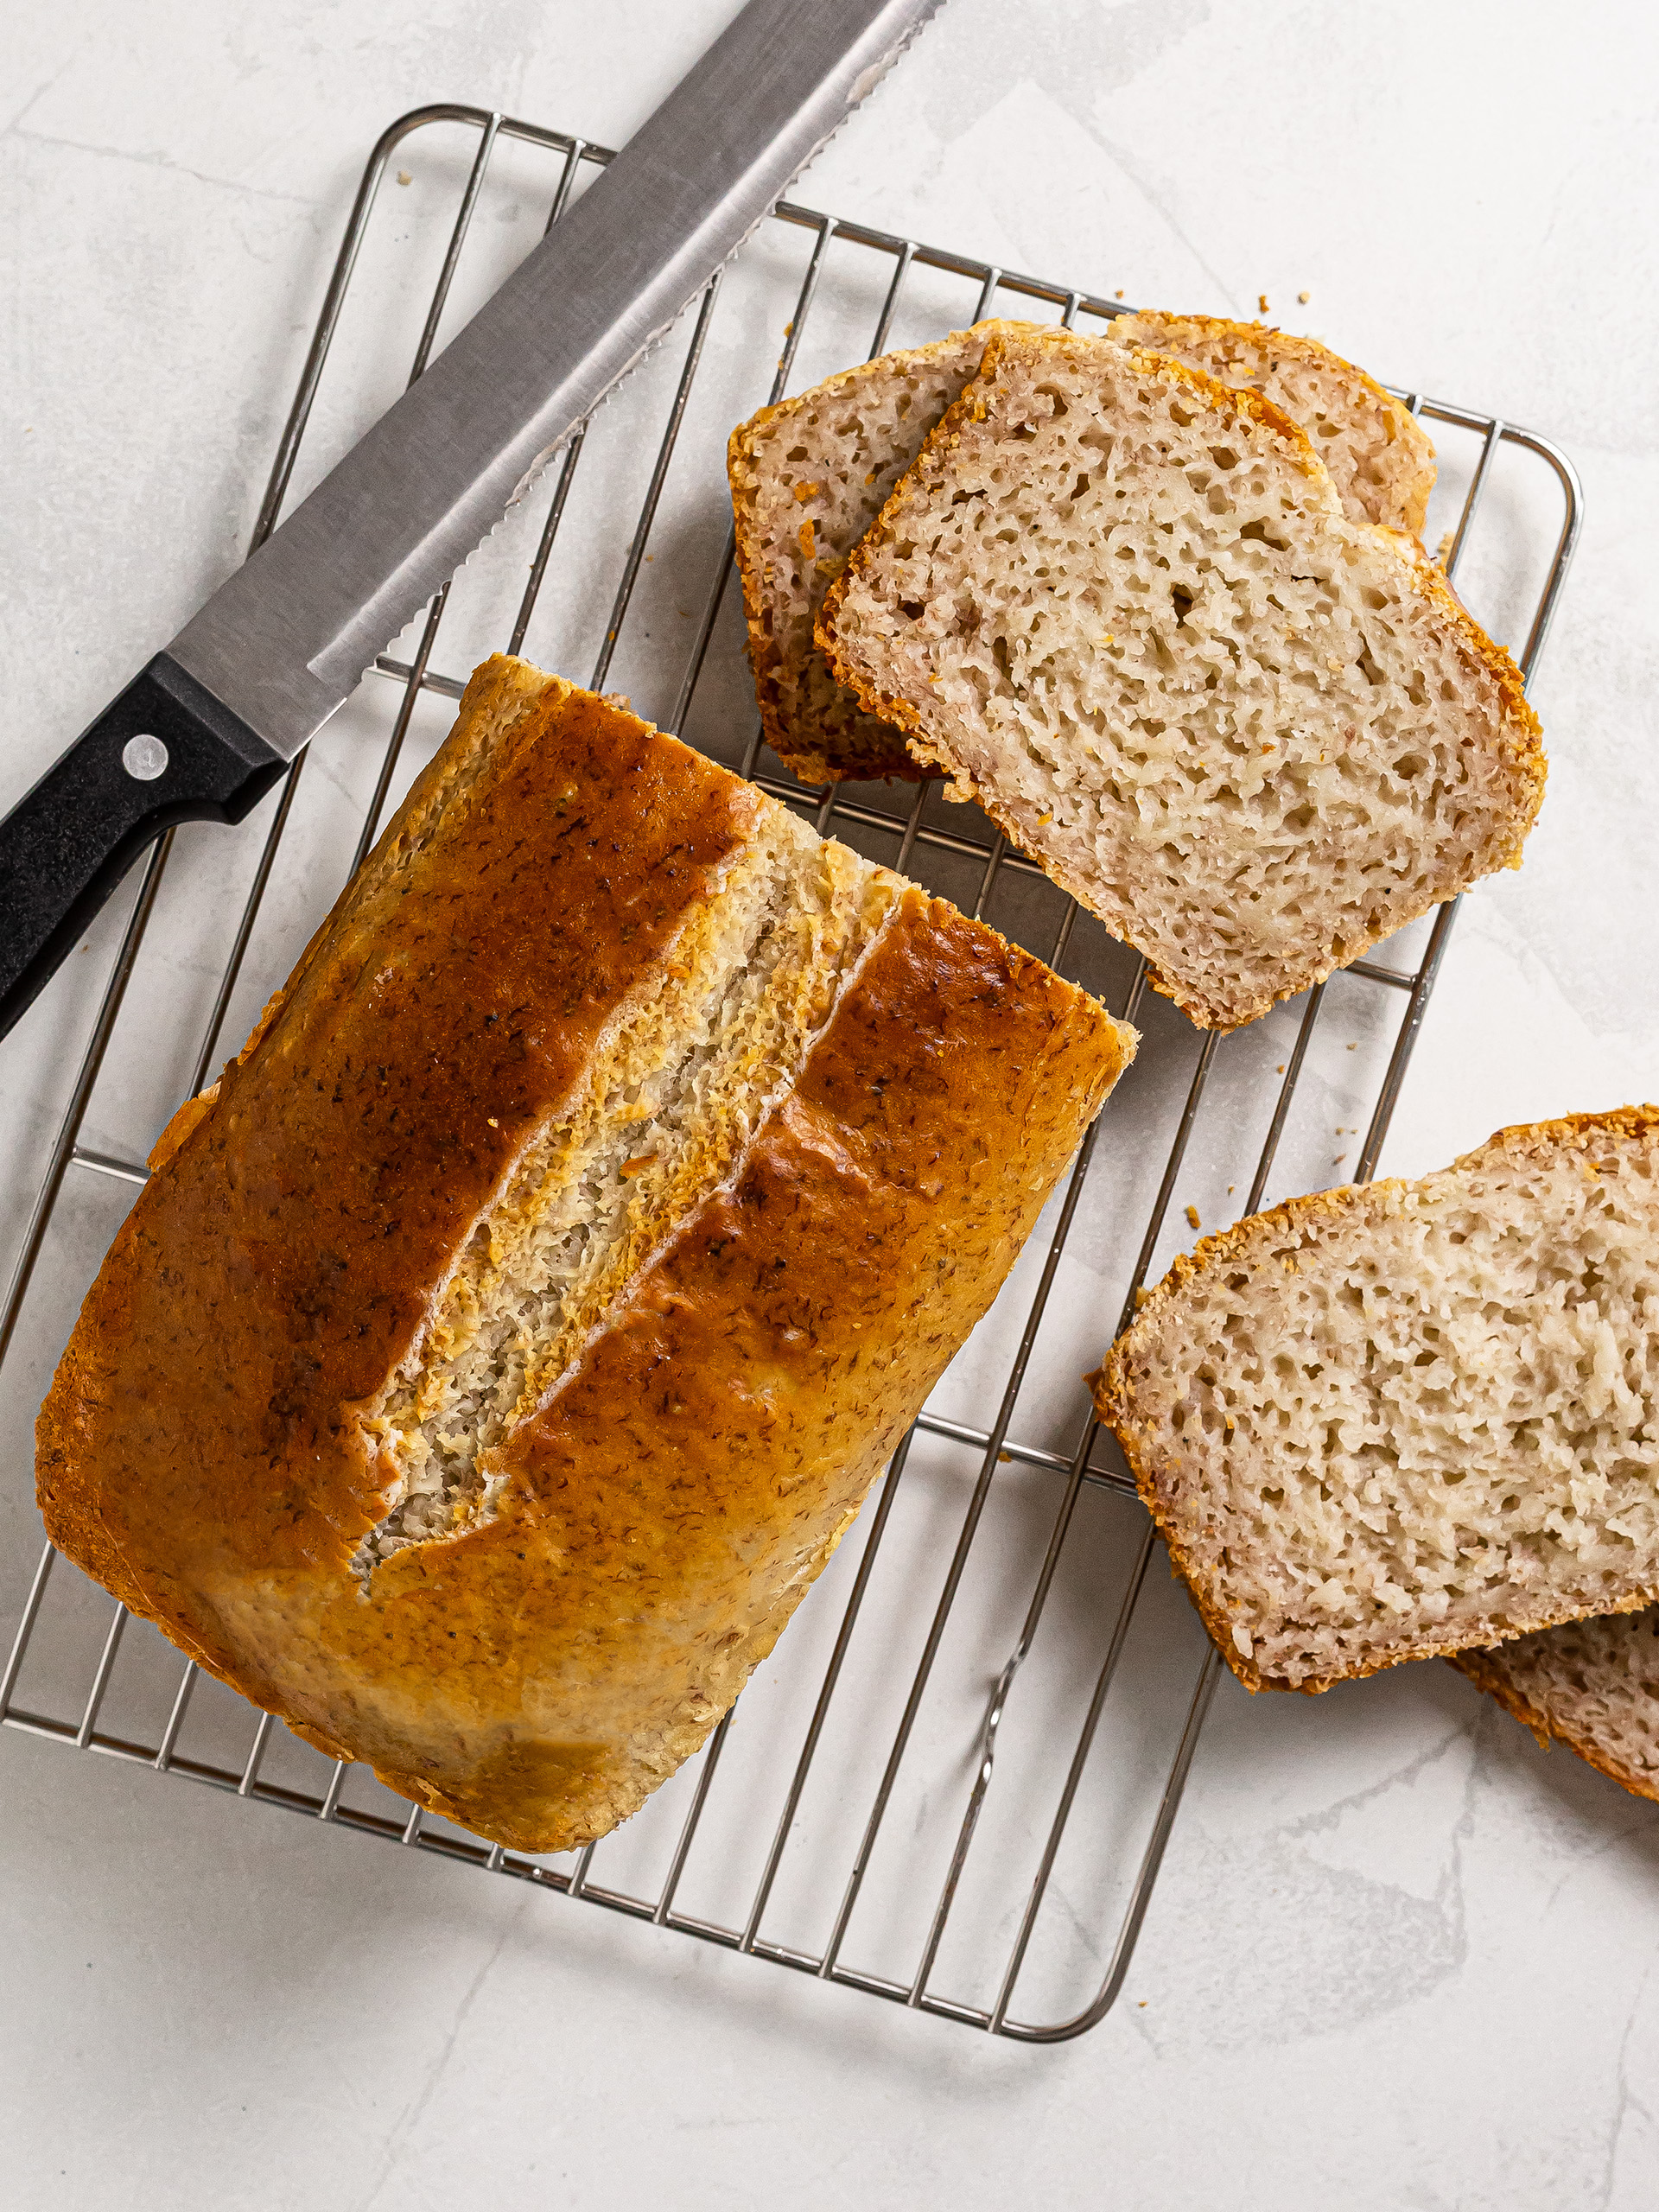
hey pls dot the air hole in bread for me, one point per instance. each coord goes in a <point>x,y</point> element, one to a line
<point>1257,532</point>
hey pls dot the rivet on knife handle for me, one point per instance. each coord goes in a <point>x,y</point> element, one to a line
<point>165,752</point>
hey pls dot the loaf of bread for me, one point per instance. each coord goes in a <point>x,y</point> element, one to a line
<point>810,475</point>
<point>1120,605</point>
<point>501,1349</point>
<point>1405,1418</point>
<point>1592,1685</point>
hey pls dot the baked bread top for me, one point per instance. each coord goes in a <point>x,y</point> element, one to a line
<point>275,1352</point>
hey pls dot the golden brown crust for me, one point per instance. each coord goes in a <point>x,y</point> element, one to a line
<point>193,1109</point>
<point>204,1450</point>
<point>1518,740</point>
<point>1243,1245</point>
<point>461,1041</point>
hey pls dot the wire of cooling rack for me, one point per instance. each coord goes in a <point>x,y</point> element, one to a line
<point>1089,1463</point>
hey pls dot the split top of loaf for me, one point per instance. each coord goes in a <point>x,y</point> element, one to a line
<point>1384,1422</point>
<point>496,1354</point>
<point>810,475</point>
<point>1120,605</point>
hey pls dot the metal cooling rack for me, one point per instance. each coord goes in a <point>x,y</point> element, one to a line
<point>843,1820</point>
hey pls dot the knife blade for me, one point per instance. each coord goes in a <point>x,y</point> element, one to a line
<point>209,724</point>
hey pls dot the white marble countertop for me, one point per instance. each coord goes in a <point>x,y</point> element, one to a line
<point>1399,1957</point>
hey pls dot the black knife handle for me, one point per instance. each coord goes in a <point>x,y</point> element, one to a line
<point>166,751</point>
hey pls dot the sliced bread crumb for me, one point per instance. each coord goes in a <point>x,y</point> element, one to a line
<point>1409,1418</point>
<point>1121,604</point>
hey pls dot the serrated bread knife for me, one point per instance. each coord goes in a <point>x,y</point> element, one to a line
<point>209,724</point>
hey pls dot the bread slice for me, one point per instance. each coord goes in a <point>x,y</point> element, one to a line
<point>1405,1418</point>
<point>1121,604</point>
<point>1381,459</point>
<point>498,1351</point>
<point>810,475</point>
<point>1592,1685</point>
<point>807,478</point>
